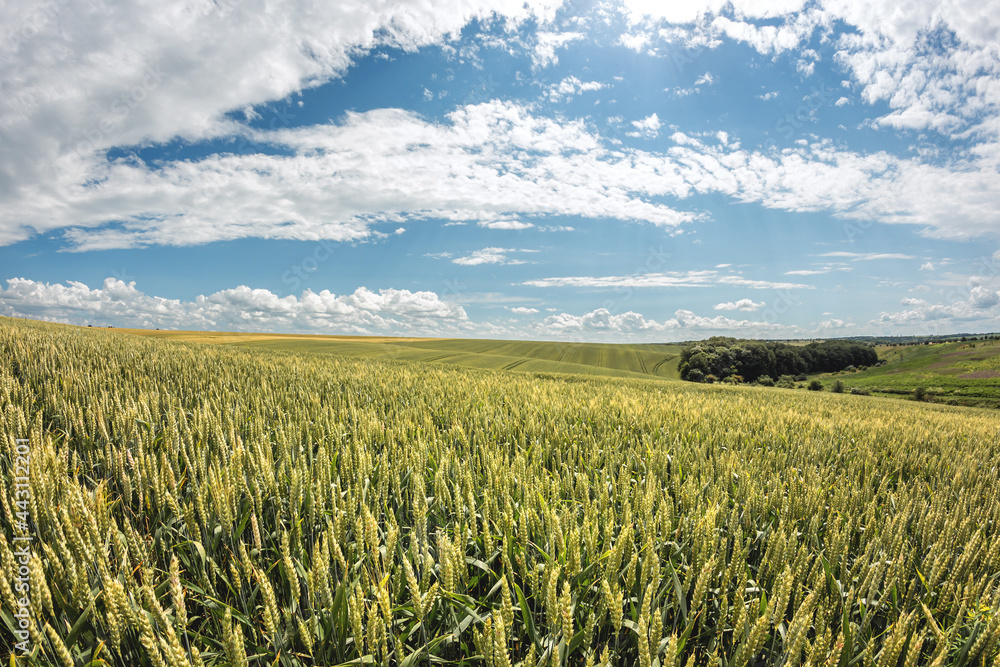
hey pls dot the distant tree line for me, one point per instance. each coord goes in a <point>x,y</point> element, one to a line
<point>721,358</point>
<point>903,341</point>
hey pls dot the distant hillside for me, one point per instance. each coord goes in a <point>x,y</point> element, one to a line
<point>956,373</point>
<point>621,360</point>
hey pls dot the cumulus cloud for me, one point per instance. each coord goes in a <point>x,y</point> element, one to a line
<point>548,43</point>
<point>745,305</point>
<point>934,64</point>
<point>647,128</point>
<point>833,324</point>
<point>93,77</point>
<point>602,323</point>
<point>973,302</point>
<point>982,297</point>
<point>78,78</point>
<point>122,304</point>
<point>570,87</point>
<point>386,311</point>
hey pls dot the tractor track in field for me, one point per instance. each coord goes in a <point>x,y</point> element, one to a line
<point>563,353</point>
<point>656,368</point>
<point>642,362</point>
<point>439,357</point>
<point>515,364</point>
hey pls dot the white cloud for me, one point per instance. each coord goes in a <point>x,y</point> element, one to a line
<point>705,79</point>
<point>648,127</point>
<point>808,272</point>
<point>239,309</point>
<point>506,224</point>
<point>339,181</point>
<point>866,256</point>
<point>956,201</point>
<point>983,297</point>
<point>548,43</point>
<point>933,63</point>
<point>571,86</point>
<point>488,256</point>
<point>602,323</point>
<point>386,311</point>
<point>834,324</point>
<point>476,166</point>
<point>769,95</point>
<point>770,39</point>
<point>927,266</point>
<point>383,165</point>
<point>746,305</point>
<point>636,40</point>
<point>82,77</point>
<point>971,302</point>
<point>642,11</point>
<point>663,279</point>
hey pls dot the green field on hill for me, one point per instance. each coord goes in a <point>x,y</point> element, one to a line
<point>957,373</point>
<point>604,359</point>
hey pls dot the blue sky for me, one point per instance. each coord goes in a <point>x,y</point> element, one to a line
<point>621,171</point>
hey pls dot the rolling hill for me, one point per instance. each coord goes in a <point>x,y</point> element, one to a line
<point>957,373</point>
<point>605,359</point>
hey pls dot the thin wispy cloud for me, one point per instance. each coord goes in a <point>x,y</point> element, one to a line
<point>866,256</point>
<point>488,256</point>
<point>664,279</point>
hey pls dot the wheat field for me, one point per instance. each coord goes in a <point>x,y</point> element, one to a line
<point>198,505</point>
